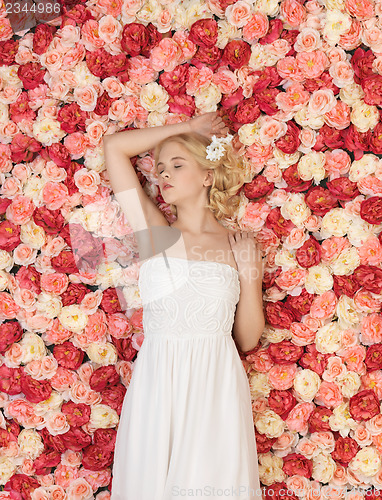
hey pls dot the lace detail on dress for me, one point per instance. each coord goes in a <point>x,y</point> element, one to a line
<point>187,298</point>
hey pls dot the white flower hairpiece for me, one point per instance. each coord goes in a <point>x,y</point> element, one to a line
<point>216,149</point>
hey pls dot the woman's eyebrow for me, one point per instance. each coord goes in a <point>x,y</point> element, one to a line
<point>175,158</point>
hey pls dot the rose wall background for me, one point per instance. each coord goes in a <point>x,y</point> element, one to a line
<point>300,85</point>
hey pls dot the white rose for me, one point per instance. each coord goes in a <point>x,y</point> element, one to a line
<point>328,338</point>
<point>341,420</point>
<point>319,279</point>
<point>367,165</point>
<point>33,235</point>
<point>336,24</point>
<point>207,98</point>
<point>102,353</point>
<point>271,469</point>
<point>347,312</point>
<point>352,93</point>
<point>153,97</point>
<point>268,7</point>
<point>9,75</point>
<point>323,467</point>
<point>48,305</point>
<point>83,75</point>
<point>311,166</point>
<point>258,58</point>
<point>258,384</point>
<point>6,260</point>
<point>94,159</point>
<point>132,296</point>
<point>47,131</point>
<point>33,188</point>
<point>73,318</point>
<point>349,382</point>
<point>360,231</point>
<point>284,160</point>
<point>30,443</point>
<point>274,335</point>
<point>4,282</point>
<point>103,417</point>
<point>285,258</point>
<point>306,384</point>
<point>33,347</point>
<point>345,263</point>
<point>336,222</point>
<point>109,274</point>
<point>296,209</point>
<point>363,116</point>
<point>7,469</point>
<point>53,403</point>
<point>304,118</point>
<point>4,116</point>
<point>367,461</point>
<point>226,33</point>
<point>270,423</point>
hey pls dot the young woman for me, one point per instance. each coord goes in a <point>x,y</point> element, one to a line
<point>186,427</point>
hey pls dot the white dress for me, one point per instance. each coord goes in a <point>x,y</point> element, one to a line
<point>186,427</point>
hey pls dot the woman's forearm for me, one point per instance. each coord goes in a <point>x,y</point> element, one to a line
<point>140,140</point>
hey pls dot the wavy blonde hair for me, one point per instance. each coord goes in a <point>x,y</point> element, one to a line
<point>228,172</point>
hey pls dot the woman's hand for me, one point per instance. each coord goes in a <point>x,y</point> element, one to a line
<point>209,124</point>
<point>246,253</point>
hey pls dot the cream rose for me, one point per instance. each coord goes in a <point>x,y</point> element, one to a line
<point>47,131</point>
<point>33,235</point>
<point>296,209</point>
<point>73,318</point>
<point>347,313</point>
<point>367,165</point>
<point>367,461</point>
<point>350,383</point>
<point>153,97</point>
<point>336,222</point>
<point>30,443</point>
<point>6,260</point>
<point>33,188</point>
<point>323,467</point>
<point>259,386</point>
<point>328,338</point>
<point>350,94</point>
<point>271,469</point>
<point>103,417</point>
<point>341,420</point>
<point>7,469</point>
<point>102,353</point>
<point>306,384</point>
<point>345,262</point>
<point>319,279</point>
<point>32,347</point>
<point>270,423</point>
<point>363,116</point>
<point>207,98</point>
<point>312,166</point>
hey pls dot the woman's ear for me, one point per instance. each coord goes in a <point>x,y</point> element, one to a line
<point>209,178</point>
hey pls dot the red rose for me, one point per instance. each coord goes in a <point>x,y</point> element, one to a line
<point>105,438</point>
<point>96,457</point>
<point>174,82</point>
<point>370,277</point>
<point>35,390</point>
<point>22,485</point>
<point>268,77</point>
<point>362,63</point>
<point>343,188</point>
<point>258,187</point>
<point>10,379</point>
<point>47,460</point>
<point>319,420</point>
<point>114,396</point>
<point>277,315</point>
<point>372,86</point>
<point>68,355</point>
<point>72,118</point>
<point>102,64</point>
<point>229,101</point>
<point>135,36</point>
<point>104,101</point>
<point>204,32</point>
<point>285,352</point>
<point>74,294</point>
<point>58,153</point>
<point>300,304</point>
<point>9,236</point>
<point>247,111</point>
<point>280,226</point>
<point>69,182</point>
<point>4,204</point>
<point>356,141</point>
<point>124,348</point>
<point>236,54</point>
<point>371,210</point>
<point>207,56</point>
<point>42,37</point>
<point>64,262</point>
<point>88,250</point>
<point>294,181</point>
<point>76,12</point>
<point>290,36</point>
<point>364,405</point>
<point>269,278</point>
<point>181,104</point>
<point>279,491</point>
<point>102,377</point>
<point>51,221</point>
<point>136,320</point>
<point>314,360</point>
<point>77,414</point>
<point>290,141</point>
<point>345,448</point>
<point>320,200</point>
<point>10,332</point>
<point>20,110</point>
<point>297,464</point>
<point>309,254</point>
<point>373,359</point>
<point>274,31</point>
<point>8,51</point>
<point>24,148</point>
<point>263,443</point>
<point>281,402</point>
<point>28,277</point>
<point>266,99</point>
<point>110,302</point>
<point>76,439</point>
<point>345,285</point>
<point>31,74</point>
<point>324,81</point>
<point>328,137</point>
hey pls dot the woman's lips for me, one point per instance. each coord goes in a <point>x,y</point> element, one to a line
<point>167,186</point>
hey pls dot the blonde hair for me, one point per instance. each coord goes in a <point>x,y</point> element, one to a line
<point>228,172</point>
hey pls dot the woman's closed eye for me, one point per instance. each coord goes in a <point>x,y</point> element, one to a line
<point>175,166</point>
